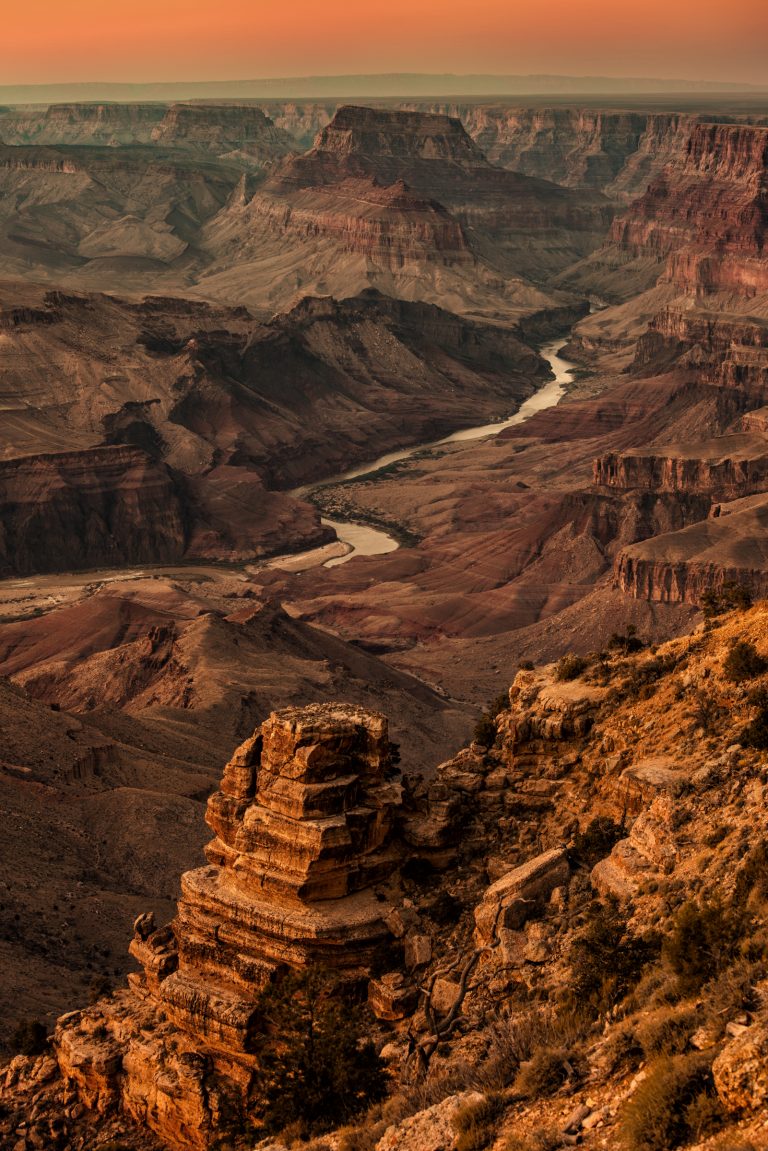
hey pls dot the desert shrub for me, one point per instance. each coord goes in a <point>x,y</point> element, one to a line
<point>623,1051</point>
<point>29,1038</point>
<point>661,1113</point>
<point>485,729</point>
<point>743,662</point>
<point>706,711</point>
<point>716,836</point>
<point>733,990</point>
<point>755,734</point>
<point>526,665</point>
<point>703,940</point>
<point>628,643</point>
<point>516,1038</point>
<point>606,960</point>
<point>318,1069</point>
<point>729,597</point>
<point>642,678</point>
<point>477,1123</point>
<point>752,876</point>
<point>703,1115</point>
<point>570,667</point>
<point>360,1138</point>
<point>543,1139</point>
<point>596,840</point>
<point>667,1031</point>
<point>543,1074</point>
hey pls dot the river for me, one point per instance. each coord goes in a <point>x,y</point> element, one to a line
<point>360,539</point>
<point>20,596</point>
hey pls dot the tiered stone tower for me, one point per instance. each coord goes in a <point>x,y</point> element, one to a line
<point>303,826</point>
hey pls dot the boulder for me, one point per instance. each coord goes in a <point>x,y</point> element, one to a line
<point>740,1070</point>
<point>520,894</point>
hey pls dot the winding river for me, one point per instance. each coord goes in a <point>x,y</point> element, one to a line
<point>21,596</point>
<point>360,539</point>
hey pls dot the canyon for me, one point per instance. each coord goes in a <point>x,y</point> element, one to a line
<point>225,329</point>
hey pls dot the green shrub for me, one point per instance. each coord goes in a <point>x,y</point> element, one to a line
<point>668,1105</point>
<point>743,662</point>
<point>703,940</point>
<point>485,729</point>
<point>477,1123</point>
<point>628,643</point>
<point>755,734</point>
<point>623,1052</point>
<point>752,876</point>
<point>570,667</point>
<point>543,1074</point>
<point>707,712</point>
<point>606,960</point>
<point>667,1031</point>
<point>318,1068</point>
<point>729,597</point>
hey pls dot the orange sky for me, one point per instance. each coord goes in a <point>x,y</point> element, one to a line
<point>53,41</point>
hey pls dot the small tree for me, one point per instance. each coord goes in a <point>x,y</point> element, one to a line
<point>704,939</point>
<point>743,662</point>
<point>318,1068</point>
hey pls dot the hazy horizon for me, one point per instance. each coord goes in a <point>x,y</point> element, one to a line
<point>387,87</point>
<point>198,41</point>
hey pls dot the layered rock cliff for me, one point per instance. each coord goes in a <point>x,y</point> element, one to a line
<point>232,130</point>
<point>90,124</point>
<point>726,467</point>
<point>726,350</point>
<point>403,190</point>
<point>304,836</point>
<point>684,566</point>
<point>702,219</point>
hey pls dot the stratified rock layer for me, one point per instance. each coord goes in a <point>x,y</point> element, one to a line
<point>303,823</point>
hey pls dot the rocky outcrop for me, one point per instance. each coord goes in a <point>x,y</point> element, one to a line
<point>235,130</point>
<point>303,829</point>
<point>111,505</point>
<point>304,841</point>
<point>520,895</point>
<point>740,1070</point>
<point>720,349</point>
<point>680,567</point>
<point>727,467</point>
<point>85,124</point>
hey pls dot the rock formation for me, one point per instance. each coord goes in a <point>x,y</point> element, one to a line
<point>231,130</point>
<point>303,829</point>
<point>304,845</point>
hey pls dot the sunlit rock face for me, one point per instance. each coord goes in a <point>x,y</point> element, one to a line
<point>303,825</point>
